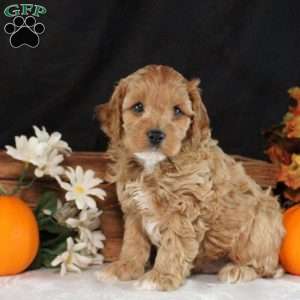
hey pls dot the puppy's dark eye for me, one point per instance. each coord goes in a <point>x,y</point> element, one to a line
<point>177,111</point>
<point>138,107</point>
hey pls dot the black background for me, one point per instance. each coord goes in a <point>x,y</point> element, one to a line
<point>246,53</point>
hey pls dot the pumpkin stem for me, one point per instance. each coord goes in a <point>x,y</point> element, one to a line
<point>2,190</point>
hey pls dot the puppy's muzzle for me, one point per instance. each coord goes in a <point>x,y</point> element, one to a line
<point>156,136</point>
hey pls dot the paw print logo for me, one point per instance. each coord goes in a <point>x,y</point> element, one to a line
<point>24,32</point>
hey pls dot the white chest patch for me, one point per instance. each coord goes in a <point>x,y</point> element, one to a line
<point>143,202</point>
<point>151,226</point>
<point>149,159</point>
<point>141,199</point>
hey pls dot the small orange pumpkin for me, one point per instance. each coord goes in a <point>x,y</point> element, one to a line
<point>19,235</point>
<point>290,248</point>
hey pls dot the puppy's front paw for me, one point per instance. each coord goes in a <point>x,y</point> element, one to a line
<point>232,273</point>
<point>106,275</point>
<point>123,270</point>
<point>154,280</point>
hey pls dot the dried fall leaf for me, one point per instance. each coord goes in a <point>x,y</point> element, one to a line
<point>292,118</point>
<point>290,174</point>
<point>292,127</point>
<point>294,93</point>
<point>278,154</point>
<point>293,195</point>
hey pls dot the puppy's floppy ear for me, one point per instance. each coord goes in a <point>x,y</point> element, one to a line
<point>199,129</point>
<point>110,114</point>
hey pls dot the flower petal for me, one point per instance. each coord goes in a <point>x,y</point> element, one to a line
<point>79,174</point>
<point>73,268</point>
<point>63,269</point>
<point>98,259</point>
<point>90,202</point>
<point>73,222</point>
<point>56,261</point>
<point>66,186</point>
<point>82,261</point>
<point>79,246</point>
<point>70,196</point>
<point>70,243</point>
<point>80,203</point>
<point>39,173</point>
<point>101,194</point>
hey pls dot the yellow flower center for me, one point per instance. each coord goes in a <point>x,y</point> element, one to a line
<point>79,189</point>
<point>69,259</point>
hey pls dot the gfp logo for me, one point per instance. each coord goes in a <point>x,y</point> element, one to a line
<point>24,29</point>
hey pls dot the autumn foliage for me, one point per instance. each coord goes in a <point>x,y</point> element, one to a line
<point>283,147</point>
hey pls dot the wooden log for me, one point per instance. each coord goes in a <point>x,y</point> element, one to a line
<point>11,169</point>
<point>112,223</point>
<point>31,195</point>
<point>262,172</point>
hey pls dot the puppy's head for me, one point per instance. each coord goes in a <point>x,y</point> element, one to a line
<point>153,112</point>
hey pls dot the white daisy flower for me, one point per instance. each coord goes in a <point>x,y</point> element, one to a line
<point>65,211</point>
<point>27,150</point>
<point>71,260</point>
<point>53,141</point>
<point>49,164</point>
<point>88,218</point>
<point>44,151</point>
<point>97,259</point>
<point>81,187</point>
<point>87,221</point>
<point>92,239</point>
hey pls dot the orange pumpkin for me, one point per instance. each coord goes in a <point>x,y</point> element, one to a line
<point>290,248</point>
<point>19,235</point>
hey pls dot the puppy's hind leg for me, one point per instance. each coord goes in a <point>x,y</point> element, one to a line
<point>255,253</point>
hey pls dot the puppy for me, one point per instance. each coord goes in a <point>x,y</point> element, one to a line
<point>179,191</point>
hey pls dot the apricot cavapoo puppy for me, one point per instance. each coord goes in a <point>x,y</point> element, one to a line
<point>179,191</point>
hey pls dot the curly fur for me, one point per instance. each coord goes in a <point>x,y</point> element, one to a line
<point>197,205</point>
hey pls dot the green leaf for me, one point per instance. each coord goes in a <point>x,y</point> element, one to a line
<point>49,224</point>
<point>51,245</point>
<point>48,200</point>
<point>53,235</point>
<point>46,256</point>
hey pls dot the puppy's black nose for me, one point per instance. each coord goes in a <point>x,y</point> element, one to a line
<point>155,136</point>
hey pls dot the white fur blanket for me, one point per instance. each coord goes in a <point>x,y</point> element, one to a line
<point>48,285</point>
